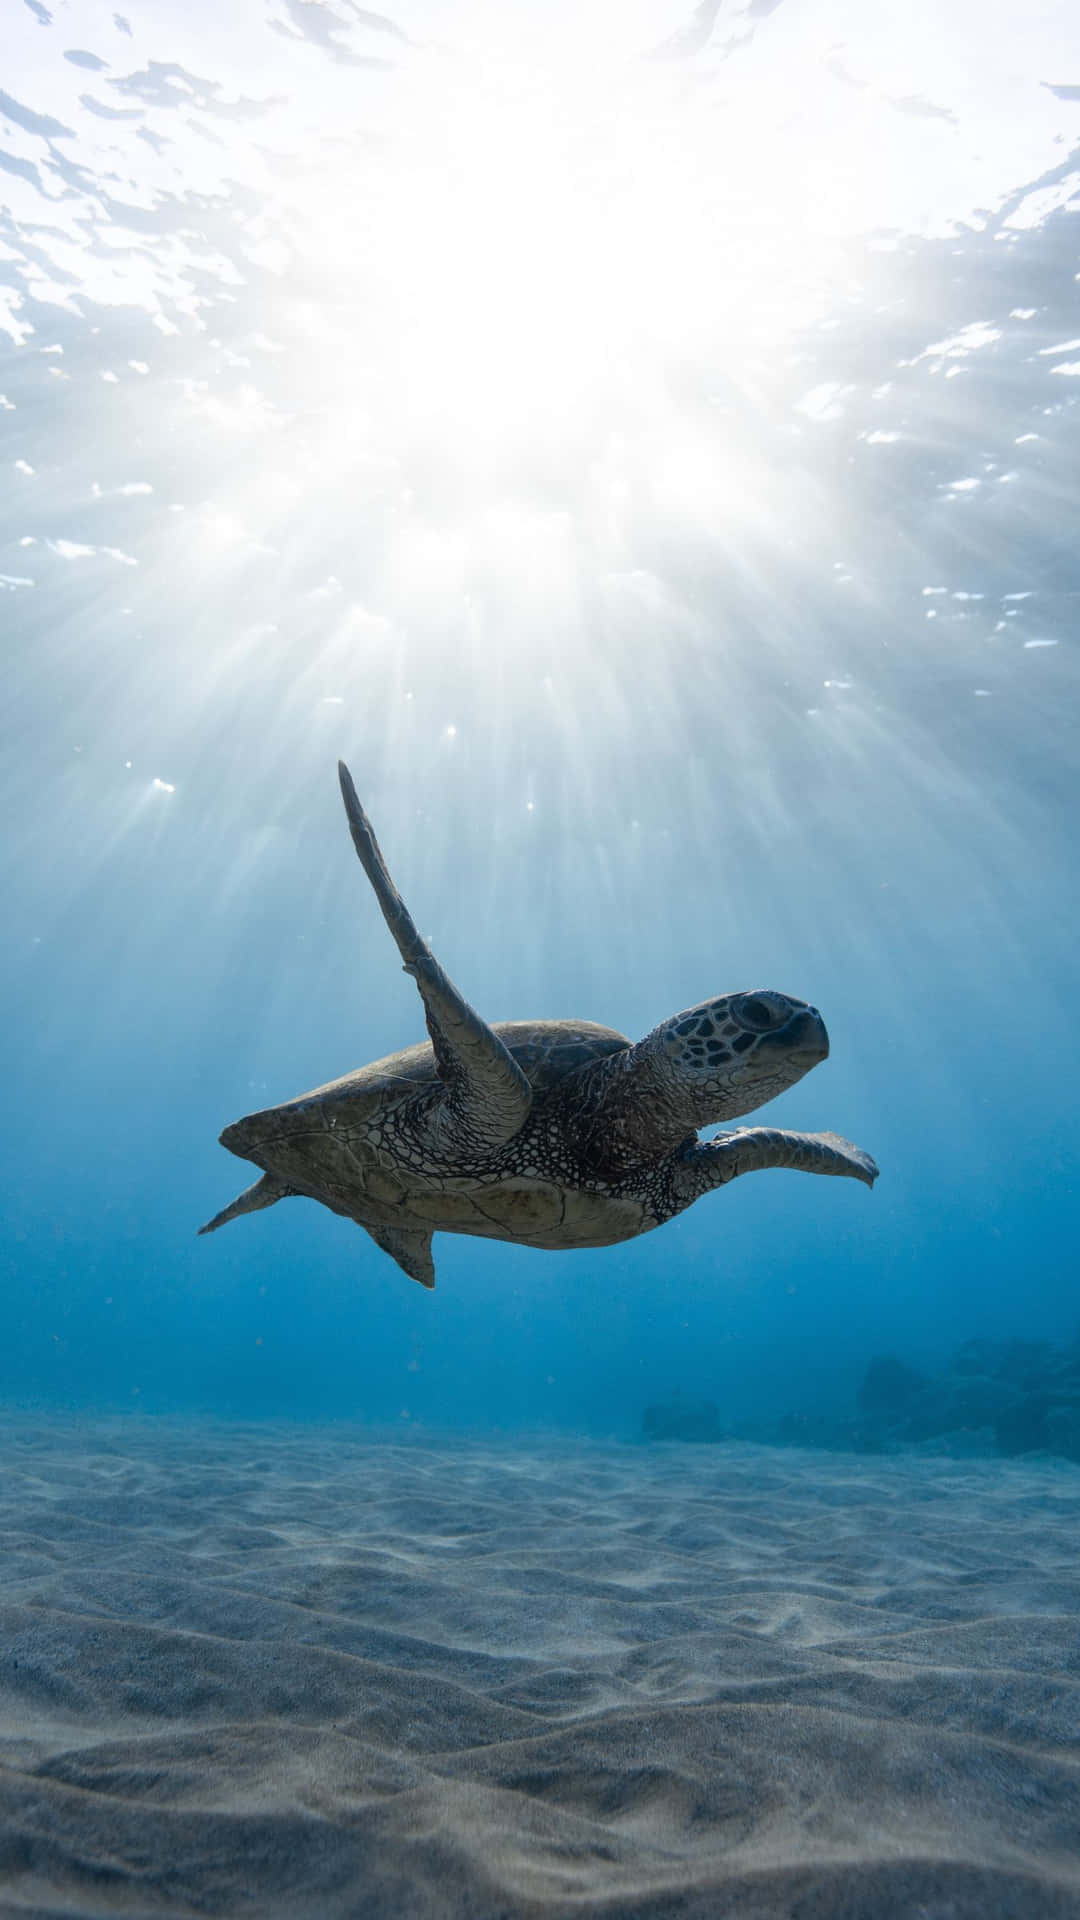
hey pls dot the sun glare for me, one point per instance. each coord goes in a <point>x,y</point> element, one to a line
<point>555,267</point>
<point>535,248</point>
<point>466,352</point>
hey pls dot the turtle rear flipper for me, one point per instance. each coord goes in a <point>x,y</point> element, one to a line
<point>487,1094</point>
<point>411,1249</point>
<point>265,1193</point>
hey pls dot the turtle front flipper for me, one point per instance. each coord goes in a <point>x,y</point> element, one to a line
<point>411,1250</point>
<point>488,1096</point>
<point>750,1149</point>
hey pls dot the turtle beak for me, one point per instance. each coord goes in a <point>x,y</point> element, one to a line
<point>804,1037</point>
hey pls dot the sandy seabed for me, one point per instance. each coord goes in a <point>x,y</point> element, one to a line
<point>319,1671</point>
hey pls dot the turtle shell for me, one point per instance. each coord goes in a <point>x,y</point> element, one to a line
<point>545,1050</point>
<point>362,1146</point>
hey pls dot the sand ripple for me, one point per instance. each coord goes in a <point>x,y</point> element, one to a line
<point>294,1672</point>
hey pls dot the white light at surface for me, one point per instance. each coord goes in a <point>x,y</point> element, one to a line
<point>539,243</point>
<point>499,380</point>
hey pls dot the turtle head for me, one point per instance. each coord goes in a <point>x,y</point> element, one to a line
<point>728,1056</point>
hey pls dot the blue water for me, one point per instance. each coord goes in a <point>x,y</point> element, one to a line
<point>692,591</point>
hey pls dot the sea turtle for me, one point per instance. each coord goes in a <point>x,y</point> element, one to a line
<point>547,1133</point>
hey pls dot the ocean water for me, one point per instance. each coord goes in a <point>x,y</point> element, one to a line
<point>727,645</point>
<point>642,441</point>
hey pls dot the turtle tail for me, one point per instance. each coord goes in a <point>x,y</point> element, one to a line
<point>264,1193</point>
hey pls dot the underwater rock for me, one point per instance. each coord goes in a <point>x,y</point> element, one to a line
<point>1004,1388</point>
<point>1025,1364</point>
<point>1004,1397</point>
<point>1041,1423</point>
<point>956,1406</point>
<point>1061,1424</point>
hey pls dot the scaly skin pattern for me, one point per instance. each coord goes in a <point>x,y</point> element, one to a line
<point>374,1148</point>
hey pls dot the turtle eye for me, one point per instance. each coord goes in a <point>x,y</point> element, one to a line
<point>754,1011</point>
